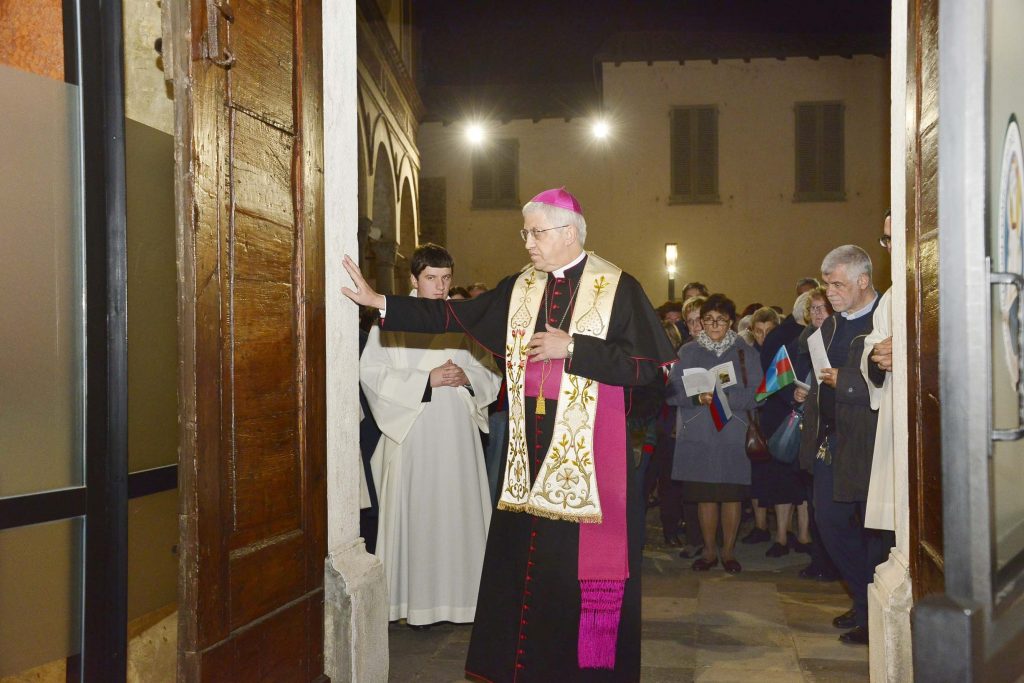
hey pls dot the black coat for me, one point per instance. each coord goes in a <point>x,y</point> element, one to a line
<point>853,439</point>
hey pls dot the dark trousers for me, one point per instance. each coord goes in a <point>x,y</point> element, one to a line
<point>819,556</point>
<point>669,492</point>
<point>854,550</point>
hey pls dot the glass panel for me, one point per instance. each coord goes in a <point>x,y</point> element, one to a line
<point>152,298</point>
<point>41,277</point>
<point>1006,247</point>
<point>152,553</point>
<point>40,599</point>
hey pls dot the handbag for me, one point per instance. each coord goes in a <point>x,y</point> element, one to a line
<point>757,447</point>
<point>784,443</point>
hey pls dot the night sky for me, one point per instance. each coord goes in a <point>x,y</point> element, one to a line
<point>473,43</point>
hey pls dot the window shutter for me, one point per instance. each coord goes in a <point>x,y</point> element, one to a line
<point>496,175</point>
<point>682,154</point>
<point>806,149</point>
<point>832,148</point>
<point>707,153</point>
<point>506,172</point>
<point>820,153</point>
<point>482,185</point>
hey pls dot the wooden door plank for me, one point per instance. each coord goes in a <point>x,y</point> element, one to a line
<point>262,75</point>
<point>254,444</point>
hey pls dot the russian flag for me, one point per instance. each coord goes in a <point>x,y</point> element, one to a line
<point>779,374</point>
<point>721,413</point>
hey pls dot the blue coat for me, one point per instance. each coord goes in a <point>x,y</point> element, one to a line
<point>702,452</point>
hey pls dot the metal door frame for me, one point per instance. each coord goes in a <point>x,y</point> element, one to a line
<point>93,60</point>
<point>964,634</point>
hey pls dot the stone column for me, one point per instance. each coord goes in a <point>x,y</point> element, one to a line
<point>890,596</point>
<point>355,592</point>
<point>386,252</point>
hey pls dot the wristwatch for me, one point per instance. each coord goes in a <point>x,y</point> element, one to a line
<point>569,349</point>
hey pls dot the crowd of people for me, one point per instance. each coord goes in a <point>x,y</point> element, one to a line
<point>561,368</point>
<point>827,485</point>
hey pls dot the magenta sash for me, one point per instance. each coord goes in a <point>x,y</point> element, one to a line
<point>603,563</point>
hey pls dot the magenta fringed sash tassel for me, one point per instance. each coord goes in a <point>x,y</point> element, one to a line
<point>604,562</point>
<point>599,623</point>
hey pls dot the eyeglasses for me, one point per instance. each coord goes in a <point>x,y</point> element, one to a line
<point>885,241</point>
<point>715,322</point>
<point>536,233</point>
<point>820,308</point>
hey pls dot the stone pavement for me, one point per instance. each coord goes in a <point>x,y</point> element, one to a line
<point>764,625</point>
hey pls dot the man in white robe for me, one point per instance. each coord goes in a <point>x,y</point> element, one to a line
<point>876,366</point>
<point>429,395</point>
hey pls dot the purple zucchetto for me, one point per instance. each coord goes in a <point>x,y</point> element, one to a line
<point>560,198</point>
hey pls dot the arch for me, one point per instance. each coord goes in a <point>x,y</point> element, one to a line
<point>408,238</point>
<point>384,205</point>
<point>384,196</point>
<point>361,174</point>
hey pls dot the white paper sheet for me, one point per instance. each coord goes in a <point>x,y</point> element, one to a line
<point>698,381</point>
<point>819,357</point>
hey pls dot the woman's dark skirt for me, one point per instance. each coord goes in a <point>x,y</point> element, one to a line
<point>710,492</point>
<point>776,483</point>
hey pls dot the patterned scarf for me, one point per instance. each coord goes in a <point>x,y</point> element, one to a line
<point>717,347</point>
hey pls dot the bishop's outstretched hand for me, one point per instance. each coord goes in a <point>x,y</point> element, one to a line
<point>363,294</point>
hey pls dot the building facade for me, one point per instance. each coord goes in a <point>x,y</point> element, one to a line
<point>389,162</point>
<point>717,156</point>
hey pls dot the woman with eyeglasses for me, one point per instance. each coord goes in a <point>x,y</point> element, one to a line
<point>712,463</point>
<point>818,310</point>
<point>774,483</point>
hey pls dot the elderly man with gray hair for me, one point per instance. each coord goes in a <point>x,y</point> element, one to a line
<point>839,432</point>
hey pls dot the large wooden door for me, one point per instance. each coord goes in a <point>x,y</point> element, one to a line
<point>253,496</point>
<point>925,442</point>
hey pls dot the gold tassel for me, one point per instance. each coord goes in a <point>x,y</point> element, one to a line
<point>542,407</point>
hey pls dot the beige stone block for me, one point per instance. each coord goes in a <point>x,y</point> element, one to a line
<point>827,646</point>
<point>718,674</point>
<point>667,653</point>
<point>758,599</point>
<point>668,609</point>
<point>759,658</point>
<point>152,655</point>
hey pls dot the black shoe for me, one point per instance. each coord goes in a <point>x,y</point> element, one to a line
<point>799,547</point>
<point>756,536</point>
<point>847,619</point>
<point>777,550</point>
<point>858,635</point>
<point>419,627</point>
<point>673,541</point>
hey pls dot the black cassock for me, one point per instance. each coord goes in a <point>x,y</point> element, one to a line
<point>528,611</point>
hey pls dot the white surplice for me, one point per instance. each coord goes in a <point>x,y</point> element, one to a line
<point>429,470</point>
<point>880,511</point>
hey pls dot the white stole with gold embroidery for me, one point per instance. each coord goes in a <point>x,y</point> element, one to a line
<point>566,485</point>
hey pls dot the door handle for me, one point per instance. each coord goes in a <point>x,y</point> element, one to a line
<point>1016,281</point>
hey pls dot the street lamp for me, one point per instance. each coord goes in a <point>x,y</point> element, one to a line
<point>475,133</point>
<point>671,255</point>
